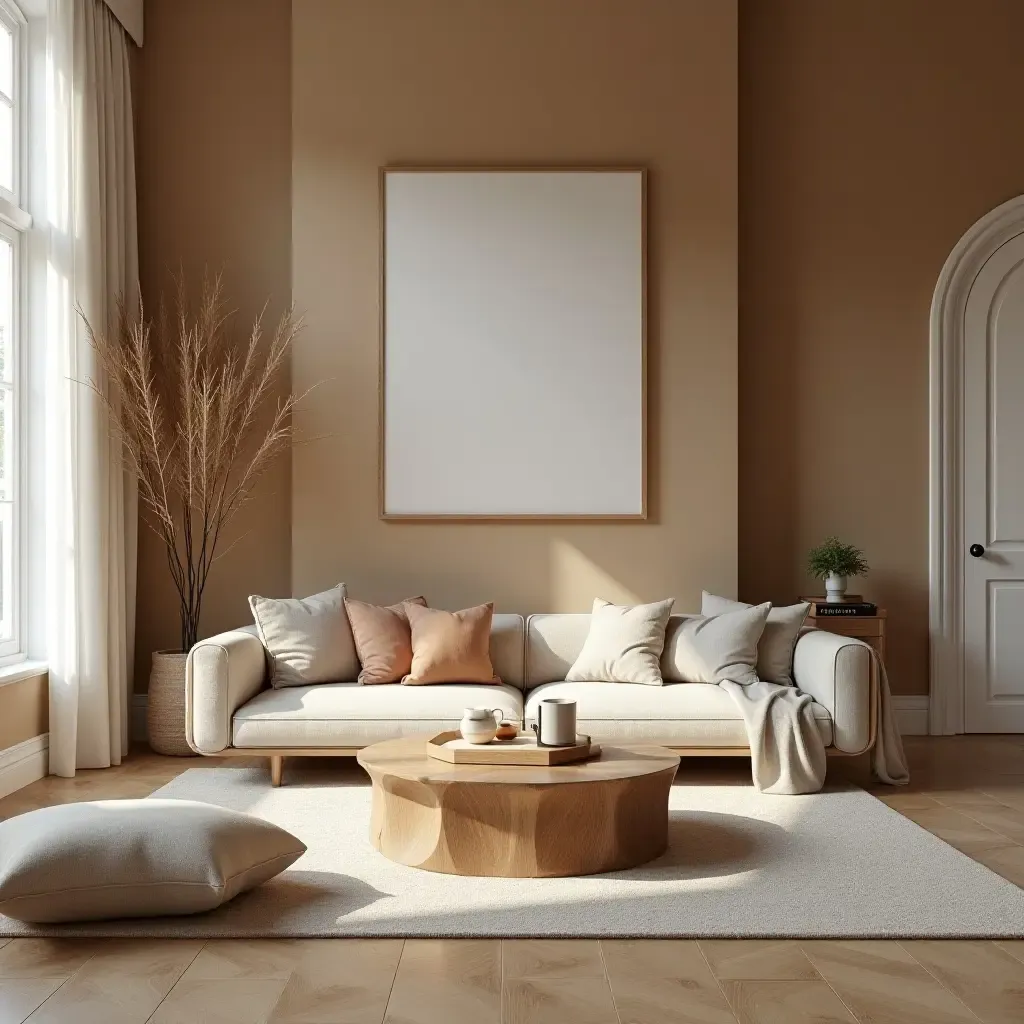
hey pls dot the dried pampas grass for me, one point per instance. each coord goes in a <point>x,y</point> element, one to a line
<point>190,407</point>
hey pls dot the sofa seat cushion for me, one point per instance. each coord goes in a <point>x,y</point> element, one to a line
<point>350,715</point>
<point>677,714</point>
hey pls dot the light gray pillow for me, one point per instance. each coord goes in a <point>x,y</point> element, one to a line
<point>134,858</point>
<point>781,632</point>
<point>710,649</point>
<point>624,644</point>
<point>309,639</point>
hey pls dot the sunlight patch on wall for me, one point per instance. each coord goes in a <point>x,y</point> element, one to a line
<point>576,581</point>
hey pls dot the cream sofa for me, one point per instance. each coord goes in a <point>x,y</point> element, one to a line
<point>230,708</point>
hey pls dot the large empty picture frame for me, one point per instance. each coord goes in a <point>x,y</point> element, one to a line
<point>513,348</point>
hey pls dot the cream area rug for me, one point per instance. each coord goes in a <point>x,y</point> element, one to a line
<point>836,864</point>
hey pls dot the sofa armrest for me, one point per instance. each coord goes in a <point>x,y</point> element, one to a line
<point>837,672</point>
<point>221,674</point>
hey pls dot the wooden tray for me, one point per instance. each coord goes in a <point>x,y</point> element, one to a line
<point>451,747</point>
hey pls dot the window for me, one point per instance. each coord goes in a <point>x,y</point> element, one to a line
<point>14,222</point>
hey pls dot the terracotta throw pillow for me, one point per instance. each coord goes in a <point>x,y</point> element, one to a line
<point>383,640</point>
<point>450,647</point>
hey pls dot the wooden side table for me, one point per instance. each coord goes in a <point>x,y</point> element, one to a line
<point>869,628</point>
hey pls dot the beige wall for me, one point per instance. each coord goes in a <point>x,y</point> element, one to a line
<point>24,710</point>
<point>872,135</point>
<point>456,81</point>
<point>214,180</point>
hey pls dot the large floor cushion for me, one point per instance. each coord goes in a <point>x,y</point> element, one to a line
<point>678,714</point>
<point>350,715</point>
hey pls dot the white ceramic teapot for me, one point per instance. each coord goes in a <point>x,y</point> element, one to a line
<point>479,725</point>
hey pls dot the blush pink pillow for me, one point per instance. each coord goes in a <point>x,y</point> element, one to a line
<point>383,640</point>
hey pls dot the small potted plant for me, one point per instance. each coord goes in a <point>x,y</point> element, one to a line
<point>833,561</point>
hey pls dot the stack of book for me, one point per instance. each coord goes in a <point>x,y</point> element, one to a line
<point>823,609</point>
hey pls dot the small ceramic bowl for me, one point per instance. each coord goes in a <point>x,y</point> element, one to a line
<point>507,731</point>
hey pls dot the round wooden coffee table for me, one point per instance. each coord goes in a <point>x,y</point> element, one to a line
<point>516,821</point>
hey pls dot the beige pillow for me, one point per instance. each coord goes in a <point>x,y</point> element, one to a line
<point>778,641</point>
<point>450,647</point>
<point>134,858</point>
<point>624,644</point>
<point>709,649</point>
<point>383,639</point>
<point>308,639</point>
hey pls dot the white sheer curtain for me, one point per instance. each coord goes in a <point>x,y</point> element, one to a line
<point>91,506</point>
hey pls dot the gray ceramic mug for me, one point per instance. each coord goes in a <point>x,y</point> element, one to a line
<point>556,722</point>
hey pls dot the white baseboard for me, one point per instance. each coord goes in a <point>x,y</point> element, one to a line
<point>911,714</point>
<point>24,763</point>
<point>139,733</point>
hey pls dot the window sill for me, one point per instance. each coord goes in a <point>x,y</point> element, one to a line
<point>21,670</point>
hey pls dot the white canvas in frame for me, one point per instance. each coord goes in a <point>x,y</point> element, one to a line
<point>513,348</point>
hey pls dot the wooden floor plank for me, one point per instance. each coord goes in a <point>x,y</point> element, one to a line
<point>346,980</point>
<point>551,958</point>
<point>1007,821</point>
<point>985,977</point>
<point>44,958</point>
<point>220,1001</point>
<point>550,1000</point>
<point>325,979</point>
<point>1015,947</point>
<point>443,982</point>
<point>19,998</point>
<point>757,960</point>
<point>1007,861</point>
<point>956,828</point>
<point>786,1002</point>
<point>882,983</point>
<point>663,981</point>
<point>122,983</point>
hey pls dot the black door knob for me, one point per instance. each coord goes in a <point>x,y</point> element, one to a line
<point>976,550</point>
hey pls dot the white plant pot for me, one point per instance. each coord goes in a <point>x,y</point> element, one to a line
<point>835,587</point>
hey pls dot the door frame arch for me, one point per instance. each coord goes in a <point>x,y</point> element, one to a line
<point>946,442</point>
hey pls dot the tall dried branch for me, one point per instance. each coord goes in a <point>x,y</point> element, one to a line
<point>189,406</point>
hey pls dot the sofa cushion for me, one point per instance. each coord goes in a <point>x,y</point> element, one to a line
<point>678,714</point>
<point>450,647</point>
<point>383,639</point>
<point>778,641</point>
<point>718,647</point>
<point>350,715</point>
<point>624,644</point>
<point>554,642</point>
<point>309,639</point>
<point>507,648</point>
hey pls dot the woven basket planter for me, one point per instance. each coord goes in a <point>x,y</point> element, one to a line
<point>165,707</point>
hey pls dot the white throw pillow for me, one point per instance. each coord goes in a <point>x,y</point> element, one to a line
<point>710,649</point>
<point>134,858</point>
<point>309,639</point>
<point>624,644</point>
<point>778,641</point>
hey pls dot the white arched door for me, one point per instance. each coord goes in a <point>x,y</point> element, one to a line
<point>993,494</point>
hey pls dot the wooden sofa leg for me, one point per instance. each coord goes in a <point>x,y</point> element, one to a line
<point>276,770</point>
